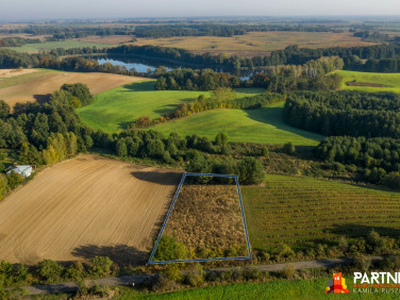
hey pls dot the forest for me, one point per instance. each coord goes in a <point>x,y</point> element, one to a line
<point>280,79</point>
<point>376,159</point>
<point>350,113</point>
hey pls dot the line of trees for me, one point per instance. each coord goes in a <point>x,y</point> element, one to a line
<point>350,113</point>
<point>17,41</point>
<point>196,152</point>
<point>48,271</point>
<point>376,159</point>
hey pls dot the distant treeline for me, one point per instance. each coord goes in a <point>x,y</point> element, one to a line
<point>221,30</point>
<point>17,41</point>
<point>350,113</point>
<point>376,37</point>
<point>68,32</point>
<point>377,159</point>
<point>157,31</point>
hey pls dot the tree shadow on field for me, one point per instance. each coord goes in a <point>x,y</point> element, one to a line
<point>274,117</point>
<point>163,178</point>
<point>145,86</point>
<point>123,255</point>
<point>357,230</point>
<point>42,98</point>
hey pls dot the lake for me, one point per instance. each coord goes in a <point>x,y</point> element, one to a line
<point>138,66</point>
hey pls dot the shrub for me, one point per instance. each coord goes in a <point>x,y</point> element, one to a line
<point>49,270</point>
<point>169,249</point>
<point>361,264</point>
<point>194,278</point>
<point>289,272</point>
<point>251,171</point>
<point>392,180</point>
<point>4,109</point>
<point>289,148</point>
<point>100,265</point>
<point>252,273</point>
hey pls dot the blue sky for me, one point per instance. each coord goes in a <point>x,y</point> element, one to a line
<point>54,9</point>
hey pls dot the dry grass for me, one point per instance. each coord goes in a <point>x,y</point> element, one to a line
<point>207,216</point>
<point>41,86</point>
<point>109,39</point>
<point>256,43</point>
<point>84,207</point>
<point>6,73</point>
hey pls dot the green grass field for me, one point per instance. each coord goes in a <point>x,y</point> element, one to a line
<point>263,126</point>
<point>302,211</point>
<point>279,289</point>
<point>391,80</point>
<point>113,110</point>
<point>32,48</point>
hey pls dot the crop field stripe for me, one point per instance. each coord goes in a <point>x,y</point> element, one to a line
<point>166,219</point>
<point>169,213</point>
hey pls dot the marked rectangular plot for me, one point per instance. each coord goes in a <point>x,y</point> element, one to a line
<point>205,222</point>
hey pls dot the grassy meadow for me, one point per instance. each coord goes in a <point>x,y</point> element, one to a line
<point>390,80</point>
<point>302,211</point>
<point>113,110</point>
<point>278,289</point>
<point>46,46</point>
<point>264,126</point>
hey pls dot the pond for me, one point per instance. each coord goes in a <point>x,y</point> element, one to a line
<point>144,65</point>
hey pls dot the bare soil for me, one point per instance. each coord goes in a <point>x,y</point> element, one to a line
<point>84,207</point>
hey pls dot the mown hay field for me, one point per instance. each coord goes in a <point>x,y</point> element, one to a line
<point>302,211</point>
<point>84,207</point>
<point>256,43</point>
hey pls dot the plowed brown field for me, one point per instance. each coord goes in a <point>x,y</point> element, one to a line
<point>40,86</point>
<point>84,207</point>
